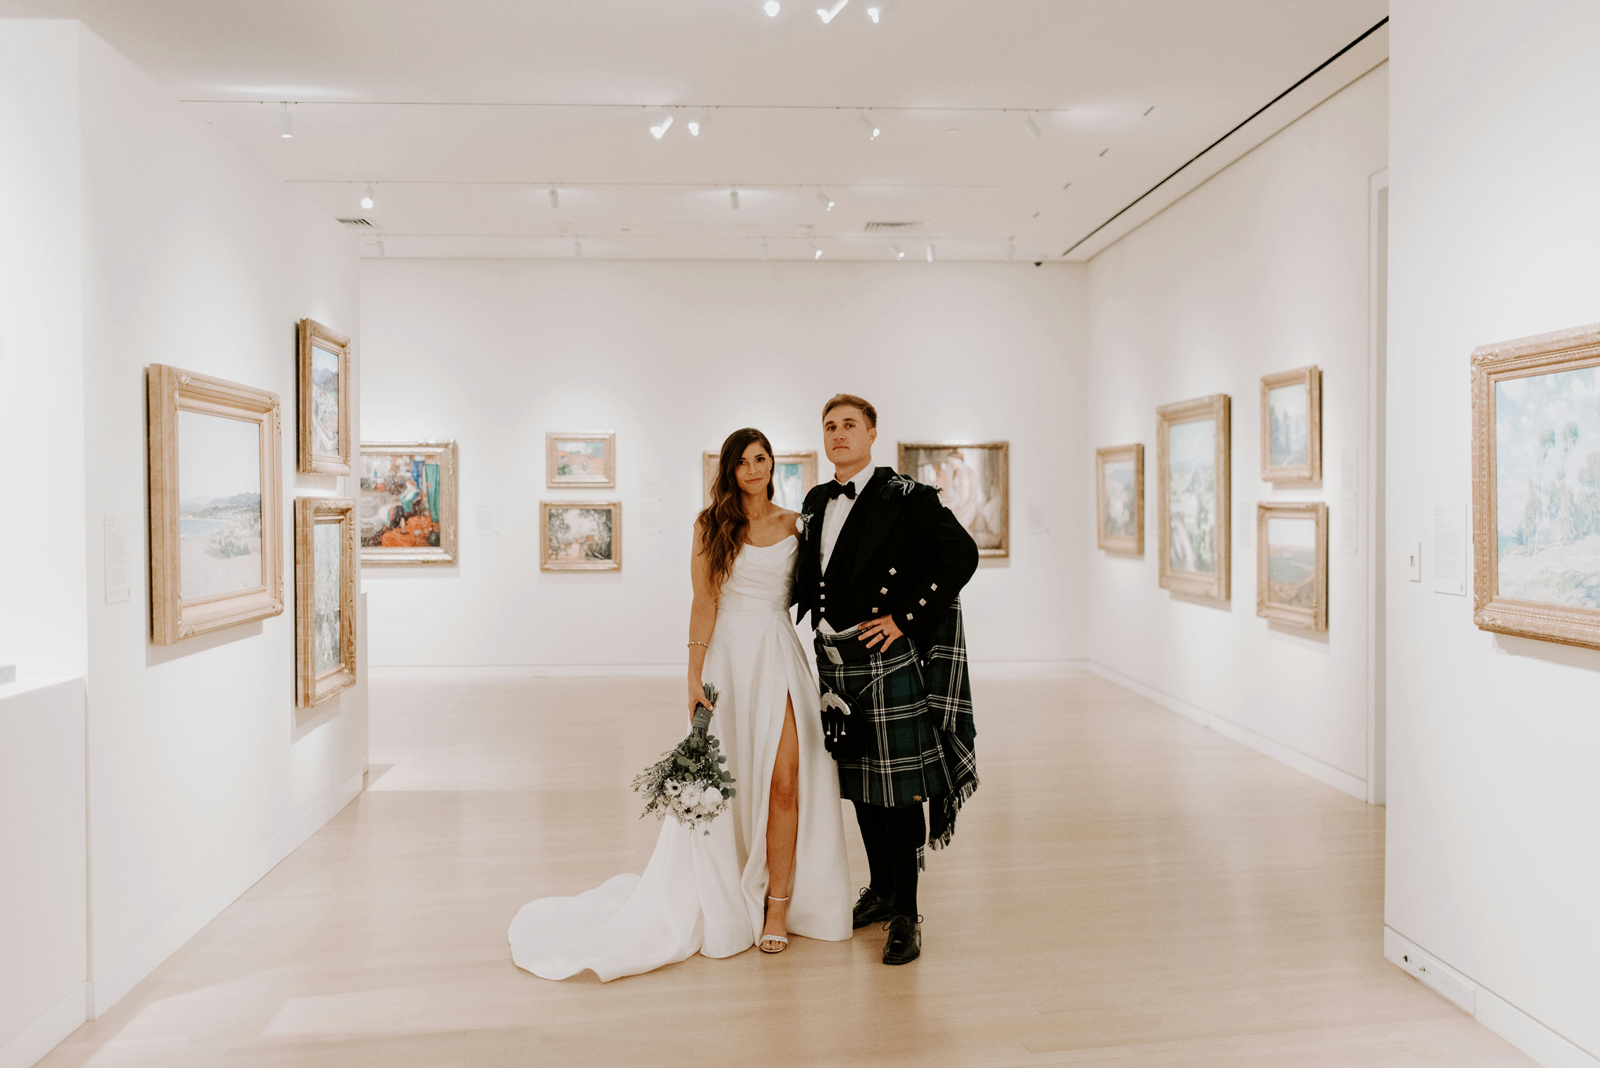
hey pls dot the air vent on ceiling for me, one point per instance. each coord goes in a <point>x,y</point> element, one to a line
<point>892,227</point>
<point>365,223</point>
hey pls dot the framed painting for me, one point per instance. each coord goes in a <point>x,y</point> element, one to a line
<point>794,474</point>
<point>1536,486</point>
<point>1119,499</point>
<point>407,509</point>
<point>1192,496</point>
<point>1292,563</point>
<point>325,398</point>
<point>325,562</point>
<point>216,530</point>
<point>580,535</point>
<point>974,482</point>
<point>1291,426</point>
<point>583,461</point>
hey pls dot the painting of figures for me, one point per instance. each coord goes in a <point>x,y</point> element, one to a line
<point>1292,563</point>
<point>408,493</point>
<point>219,505</point>
<point>1192,462</point>
<point>1536,486</point>
<point>324,392</point>
<point>587,460</point>
<point>325,597</point>
<point>973,482</point>
<point>1291,426</point>
<point>1120,491</point>
<point>580,535</point>
<point>794,474</point>
<point>215,485</point>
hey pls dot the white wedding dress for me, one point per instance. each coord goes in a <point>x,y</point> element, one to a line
<point>704,892</point>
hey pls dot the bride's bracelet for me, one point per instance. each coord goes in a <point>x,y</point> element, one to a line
<point>692,644</point>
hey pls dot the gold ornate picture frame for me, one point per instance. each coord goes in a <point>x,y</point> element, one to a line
<point>326,559</point>
<point>580,535</point>
<point>216,486</point>
<point>1292,563</point>
<point>407,506</point>
<point>1291,425</point>
<point>1119,499</point>
<point>1536,486</point>
<point>974,482</point>
<point>794,474</point>
<point>1193,498</point>
<point>580,460</point>
<point>325,400</point>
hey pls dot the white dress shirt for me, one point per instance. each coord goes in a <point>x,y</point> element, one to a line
<point>833,518</point>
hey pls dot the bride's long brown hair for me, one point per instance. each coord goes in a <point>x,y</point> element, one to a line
<point>723,524</point>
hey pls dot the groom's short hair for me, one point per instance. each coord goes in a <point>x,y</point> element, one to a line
<point>841,400</point>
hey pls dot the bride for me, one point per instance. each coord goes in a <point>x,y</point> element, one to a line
<point>774,862</point>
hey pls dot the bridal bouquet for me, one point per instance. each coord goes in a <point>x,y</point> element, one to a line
<point>689,782</point>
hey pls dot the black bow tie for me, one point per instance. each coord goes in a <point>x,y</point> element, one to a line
<point>837,488</point>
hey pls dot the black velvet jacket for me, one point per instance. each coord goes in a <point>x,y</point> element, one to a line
<point>901,553</point>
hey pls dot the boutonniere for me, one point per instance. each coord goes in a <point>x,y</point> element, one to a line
<point>900,484</point>
<point>802,523</point>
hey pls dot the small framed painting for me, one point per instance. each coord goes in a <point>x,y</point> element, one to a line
<point>325,399</point>
<point>407,510</point>
<point>1292,563</point>
<point>216,531</point>
<point>974,482</point>
<point>794,474</point>
<point>1119,499</point>
<point>1291,426</point>
<point>1536,486</point>
<point>580,535</point>
<point>325,562</point>
<point>582,461</point>
<point>1192,496</point>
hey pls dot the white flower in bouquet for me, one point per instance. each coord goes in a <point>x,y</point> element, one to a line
<point>673,788</point>
<point>690,797</point>
<point>710,798</point>
<point>690,781</point>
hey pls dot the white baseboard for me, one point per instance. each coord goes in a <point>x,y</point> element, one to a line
<point>1338,778</point>
<point>1494,1012</point>
<point>983,669</point>
<point>25,1048</point>
<point>113,981</point>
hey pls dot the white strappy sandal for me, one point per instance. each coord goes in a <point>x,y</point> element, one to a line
<point>762,945</point>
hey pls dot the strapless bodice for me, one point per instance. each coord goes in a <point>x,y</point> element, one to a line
<point>761,578</point>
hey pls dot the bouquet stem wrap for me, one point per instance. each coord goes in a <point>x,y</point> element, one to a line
<point>690,782</point>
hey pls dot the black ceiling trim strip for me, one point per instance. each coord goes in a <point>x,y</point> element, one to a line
<point>1376,27</point>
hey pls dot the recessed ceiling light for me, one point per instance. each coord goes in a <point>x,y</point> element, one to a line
<point>872,128</point>
<point>873,13</point>
<point>286,122</point>
<point>771,8</point>
<point>826,14</point>
<point>930,253</point>
<point>659,130</point>
<point>555,198</point>
<point>366,198</point>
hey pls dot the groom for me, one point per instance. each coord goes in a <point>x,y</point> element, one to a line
<point>881,564</point>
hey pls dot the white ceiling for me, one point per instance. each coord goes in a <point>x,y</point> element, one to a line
<point>463,115</point>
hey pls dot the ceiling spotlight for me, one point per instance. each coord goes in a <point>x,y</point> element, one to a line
<point>1032,127</point>
<point>693,126</point>
<point>555,198</point>
<point>771,8</point>
<point>825,200</point>
<point>286,122</point>
<point>577,250</point>
<point>826,14</point>
<point>930,252</point>
<point>816,253</point>
<point>873,13</point>
<point>366,198</point>
<point>658,131</point>
<point>733,198</point>
<point>872,128</point>
<point>899,253</point>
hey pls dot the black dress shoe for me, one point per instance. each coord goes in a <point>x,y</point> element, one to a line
<point>905,940</point>
<point>871,907</point>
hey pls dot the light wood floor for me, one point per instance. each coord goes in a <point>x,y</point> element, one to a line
<point>1126,889</point>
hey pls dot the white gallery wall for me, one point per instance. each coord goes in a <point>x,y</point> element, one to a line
<point>196,772</point>
<point>673,357</point>
<point>1494,804</point>
<point>1262,269</point>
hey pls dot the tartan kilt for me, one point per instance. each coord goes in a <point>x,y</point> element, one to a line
<point>901,761</point>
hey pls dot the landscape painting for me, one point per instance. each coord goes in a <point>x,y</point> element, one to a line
<point>1192,464</point>
<point>325,400</point>
<point>328,584</point>
<point>219,505</point>
<point>325,597</point>
<point>1292,563</point>
<point>407,508</point>
<point>586,460</point>
<point>1120,492</point>
<point>580,535</point>
<point>973,482</point>
<point>1291,426</point>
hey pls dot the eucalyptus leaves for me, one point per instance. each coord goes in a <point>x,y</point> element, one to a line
<point>690,782</point>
